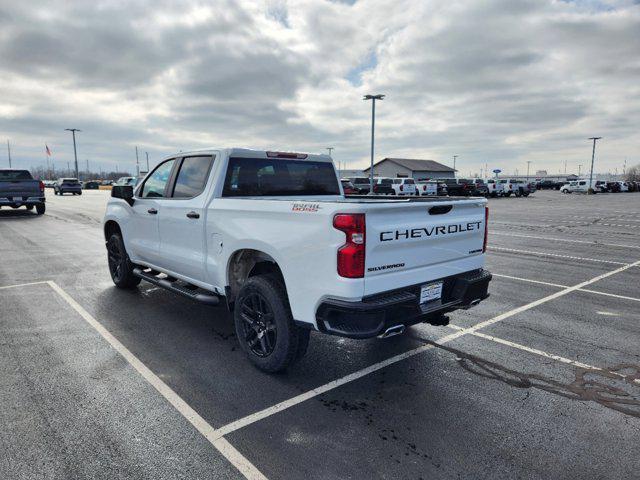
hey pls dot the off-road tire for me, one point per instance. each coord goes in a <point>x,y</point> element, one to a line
<point>287,342</point>
<point>120,266</point>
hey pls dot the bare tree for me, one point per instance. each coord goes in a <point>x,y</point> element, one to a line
<point>633,174</point>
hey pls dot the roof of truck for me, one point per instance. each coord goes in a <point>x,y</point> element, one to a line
<point>249,153</point>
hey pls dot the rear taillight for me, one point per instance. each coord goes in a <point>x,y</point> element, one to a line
<point>401,187</point>
<point>41,186</point>
<point>486,229</point>
<point>351,254</point>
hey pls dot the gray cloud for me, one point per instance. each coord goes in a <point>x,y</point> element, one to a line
<point>494,81</point>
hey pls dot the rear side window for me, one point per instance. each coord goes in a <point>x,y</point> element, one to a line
<point>386,181</point>
<point>155,185</point>
<point>8,175</point>
<point>192,176</point>
<point>264,177</point>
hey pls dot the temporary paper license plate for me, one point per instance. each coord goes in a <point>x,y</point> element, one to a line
<point>430,291</point>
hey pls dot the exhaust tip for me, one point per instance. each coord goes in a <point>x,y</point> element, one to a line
<point>392,331</point>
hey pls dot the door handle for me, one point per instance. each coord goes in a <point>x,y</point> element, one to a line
<point>152,211</point>
<point>193,215</point>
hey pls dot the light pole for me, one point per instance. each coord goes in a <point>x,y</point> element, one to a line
<point>137,163</point>
<point>454,163</point>
<point>373,99</point>
<point>147,154</point>
<point>9,153</point>
<point>579,169</point>
<point>75,152</point>
<point>528,163</point>
<point>593,156</point>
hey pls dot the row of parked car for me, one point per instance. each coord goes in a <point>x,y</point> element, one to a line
<point>600,186</point>
<point>465,187</point>
<point>75,186</point>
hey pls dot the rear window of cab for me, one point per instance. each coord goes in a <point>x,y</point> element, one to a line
<point>272,177</point>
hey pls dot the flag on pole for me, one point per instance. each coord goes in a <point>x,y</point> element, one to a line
<point>46,147</point>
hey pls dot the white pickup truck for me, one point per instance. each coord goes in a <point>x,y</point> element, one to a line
<point>272,235</point>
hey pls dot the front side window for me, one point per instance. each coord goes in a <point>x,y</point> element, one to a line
<point>278,177</point>
<point>154,185</point>
<point>192,176</point>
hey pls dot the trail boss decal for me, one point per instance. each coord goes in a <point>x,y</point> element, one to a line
<point>434,231</point>
<point>305,207</point>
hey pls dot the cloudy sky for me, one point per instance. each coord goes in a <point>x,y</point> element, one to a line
<point>494,81</point>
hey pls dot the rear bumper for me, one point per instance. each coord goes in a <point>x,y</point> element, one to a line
<point>374,314</point>
<point>20,201</point>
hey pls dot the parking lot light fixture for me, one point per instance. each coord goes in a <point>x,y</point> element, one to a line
<point>373,99</point>
<point>593,155</point>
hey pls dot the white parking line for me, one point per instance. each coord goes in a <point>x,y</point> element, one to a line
<point>554,239</point>
<point>528,280</point>
<point>22,285</point>
<point>223,446</point>
<point>554,255</point>
<point>535,351</point>
<point>284,405</point>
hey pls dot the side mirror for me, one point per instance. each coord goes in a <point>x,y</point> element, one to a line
<point>125,192</point>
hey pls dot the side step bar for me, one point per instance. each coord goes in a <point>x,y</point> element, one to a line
<point>193,293</point>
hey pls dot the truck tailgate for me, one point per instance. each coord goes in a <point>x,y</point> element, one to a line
<point>19,188</point>
<point>418,242</point>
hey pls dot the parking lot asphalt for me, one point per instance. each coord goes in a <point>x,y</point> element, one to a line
<point>541,380</point>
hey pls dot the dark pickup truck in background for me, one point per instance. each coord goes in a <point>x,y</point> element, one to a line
<point>19,189</point>
<point>464,187</point>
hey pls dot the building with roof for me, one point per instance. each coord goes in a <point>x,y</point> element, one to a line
<point>411,168</point>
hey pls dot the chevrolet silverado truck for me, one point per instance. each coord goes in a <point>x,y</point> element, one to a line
<point>272,236</point>
<point>19,189</point>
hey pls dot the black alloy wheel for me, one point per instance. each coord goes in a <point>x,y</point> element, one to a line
<point>116,259</point>
<point>120,267</point>
<point>259,326</point>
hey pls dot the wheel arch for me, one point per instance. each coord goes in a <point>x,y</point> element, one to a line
<point>111,227</point>
<point>246,263</point>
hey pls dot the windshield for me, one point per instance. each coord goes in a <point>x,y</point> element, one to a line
<point>272,177</point>
<point>8,175</point>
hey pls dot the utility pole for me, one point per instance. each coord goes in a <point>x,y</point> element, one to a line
<point>9,153</point>
<point>75,152</point>
<point>68,170</point>
<point>528,163</point>
<point>373,99</point>
<point>330,149</point>
<point>593,156</point>
<point>147,154</point>
<point>137,163</point>
<point>87,170</point>
<point>454,162</point>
